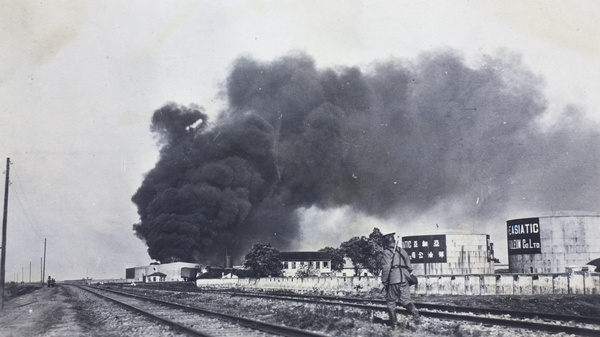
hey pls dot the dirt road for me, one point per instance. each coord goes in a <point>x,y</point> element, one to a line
<point>67,311</point>
<point>47,312</point>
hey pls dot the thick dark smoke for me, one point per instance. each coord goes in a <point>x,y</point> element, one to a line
<point>399,137</point>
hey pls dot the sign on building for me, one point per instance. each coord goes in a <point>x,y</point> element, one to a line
<point>490,248</point>
<point>524,236</point>
<point>425,248</point>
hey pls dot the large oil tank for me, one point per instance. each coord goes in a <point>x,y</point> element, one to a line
<point>450,254</point>
<point>552,244</point>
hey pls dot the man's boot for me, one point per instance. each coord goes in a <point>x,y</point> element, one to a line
<point>393,318</point>
<point>413,310</point>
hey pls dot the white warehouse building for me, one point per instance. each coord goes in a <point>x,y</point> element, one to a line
<point>168,272</point>
<point>317,262</point>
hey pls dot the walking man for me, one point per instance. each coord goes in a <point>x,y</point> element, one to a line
<point>394,276</point>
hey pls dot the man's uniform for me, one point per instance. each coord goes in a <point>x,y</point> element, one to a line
<point>394,276</point>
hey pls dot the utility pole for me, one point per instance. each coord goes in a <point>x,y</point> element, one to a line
<point>4,220</point>
<point>44,267</point>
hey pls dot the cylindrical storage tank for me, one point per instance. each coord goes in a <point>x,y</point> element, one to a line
<point>450,254</point>
<point>550,244</point>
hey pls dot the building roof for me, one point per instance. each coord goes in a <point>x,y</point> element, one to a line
<point>304,256</point>
<point>158,274</point>
<point>217,272</point>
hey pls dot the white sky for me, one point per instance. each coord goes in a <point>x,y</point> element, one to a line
<point>79,81</point>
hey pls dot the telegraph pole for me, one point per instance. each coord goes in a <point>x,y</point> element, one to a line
<point>4,220</point>
<point>44,267</point>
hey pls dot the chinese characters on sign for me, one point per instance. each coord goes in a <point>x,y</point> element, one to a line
<point>524,236</point>
<point>490,249</point>
<point>425,248</point>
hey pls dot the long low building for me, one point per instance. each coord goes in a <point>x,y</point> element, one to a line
<point>168,272</point>
<point>313,263</point>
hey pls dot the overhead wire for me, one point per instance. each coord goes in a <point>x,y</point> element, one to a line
<point>27,210</point>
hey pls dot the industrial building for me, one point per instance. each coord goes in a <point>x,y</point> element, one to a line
<point>553,244</point>
<point>541,245</point>
<point>450,254</point>
<point>349,270</point>
<point>316,263</point>
<point>168,272</point>
<point>319,264</point>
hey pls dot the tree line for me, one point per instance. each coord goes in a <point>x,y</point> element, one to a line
<point>365,252</point>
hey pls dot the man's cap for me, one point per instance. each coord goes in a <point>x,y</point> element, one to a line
<point>389,239</point>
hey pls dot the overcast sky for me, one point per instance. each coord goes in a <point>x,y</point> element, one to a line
<point>79,81</point>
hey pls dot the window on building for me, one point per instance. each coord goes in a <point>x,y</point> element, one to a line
<point>325,264</point>
<point>293,265</point>
<point>318,264</point>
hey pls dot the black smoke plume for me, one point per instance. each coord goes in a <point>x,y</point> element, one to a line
<point>400,138</point>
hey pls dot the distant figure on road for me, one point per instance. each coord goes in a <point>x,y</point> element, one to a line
<point>394,276</point>
<point>51,282</point>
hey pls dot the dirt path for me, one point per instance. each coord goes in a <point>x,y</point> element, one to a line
<point>43,312</point>
<point>69,311</point>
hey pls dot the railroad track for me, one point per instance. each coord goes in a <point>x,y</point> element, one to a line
<point>577,325</point>
<point>195,321</point>
<point>436,307</point>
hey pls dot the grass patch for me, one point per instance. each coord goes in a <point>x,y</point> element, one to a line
<point>14,290</point>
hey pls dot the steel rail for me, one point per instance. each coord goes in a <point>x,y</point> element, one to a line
<point>441,307</point>
<point>450,314</point>
<point>250,323</point>
<point>172,324</point>
<point>459,316</point>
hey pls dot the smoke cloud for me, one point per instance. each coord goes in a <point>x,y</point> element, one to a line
<point>399,137</point>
